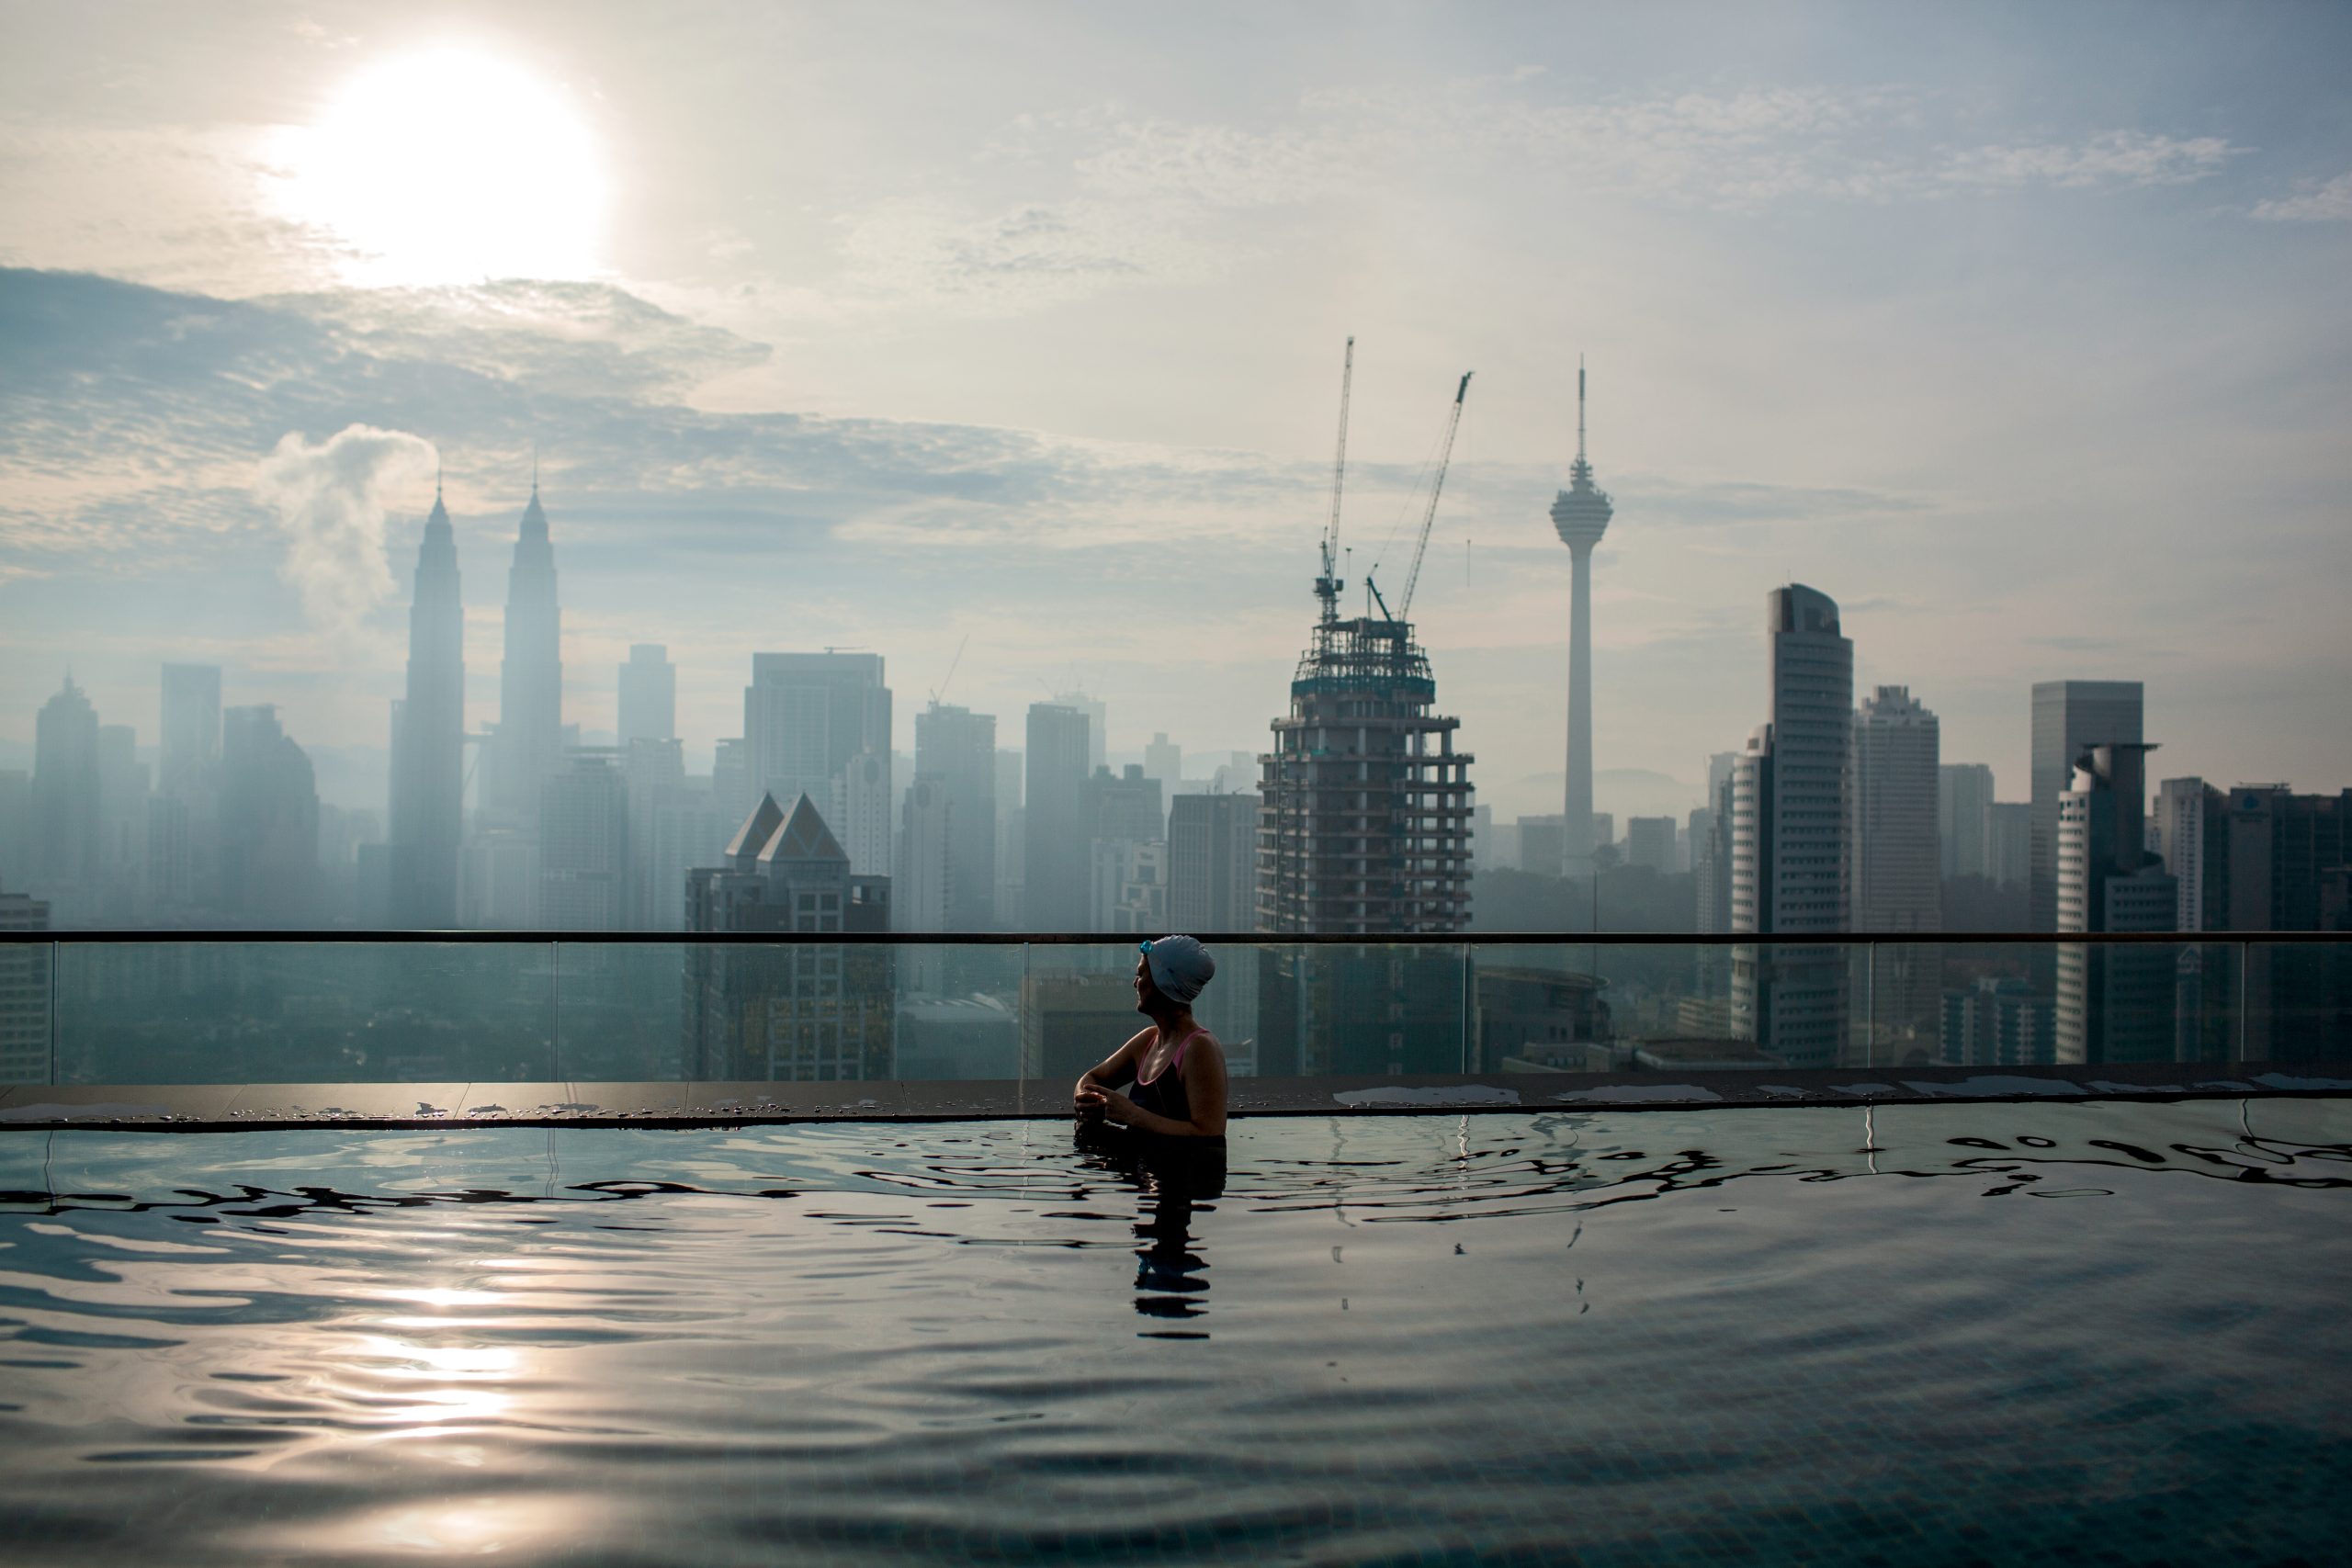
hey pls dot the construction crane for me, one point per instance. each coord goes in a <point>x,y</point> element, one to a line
<point>1328,586</point>
<point>951,670</point>
<point>1437,485</point>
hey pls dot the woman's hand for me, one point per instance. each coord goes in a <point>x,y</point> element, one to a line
<point>1118,1107</point>
<point>1088,1099</point>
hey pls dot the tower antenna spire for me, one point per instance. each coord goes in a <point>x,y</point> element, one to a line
<point>1579,408</point>
<point>535,444</point>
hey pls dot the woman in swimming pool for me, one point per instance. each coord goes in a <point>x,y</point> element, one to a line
<point>1178,1067</point>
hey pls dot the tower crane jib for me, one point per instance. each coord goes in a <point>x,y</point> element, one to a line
<point>1437,485</point>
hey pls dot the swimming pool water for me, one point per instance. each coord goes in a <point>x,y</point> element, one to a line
<point>1998,1334</point>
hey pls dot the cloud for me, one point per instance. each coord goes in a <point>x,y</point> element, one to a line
<point>2331,203</point>
<point>330,499</point>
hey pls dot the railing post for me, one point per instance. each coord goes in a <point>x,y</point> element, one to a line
<point>56,951</point>
<point>1869,1005</point>
<point>1463,949</point>
<point>555,1020</point>
<point>2245,994</point>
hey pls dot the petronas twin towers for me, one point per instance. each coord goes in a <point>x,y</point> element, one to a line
<point>429,722</point>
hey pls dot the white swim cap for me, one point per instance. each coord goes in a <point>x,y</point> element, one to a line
<point>1180,965</point>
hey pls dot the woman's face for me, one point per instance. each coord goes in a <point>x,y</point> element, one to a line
<point>1145,989</point>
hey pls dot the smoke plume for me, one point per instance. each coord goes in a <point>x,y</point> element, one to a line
<point>330,499</point>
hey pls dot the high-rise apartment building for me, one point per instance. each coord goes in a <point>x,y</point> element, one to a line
<point>957,748</point>
<point>1580,514</point>
<point>2114,1003</point>
<point>1964,820</point>
<point>648,695</point>
<point>190,758</point>
<point>584,844</point>
<point>1789,828</point>
<point>1056,832</point>
<point>2069,719</point>
<point>527,748</point>
<point>428,772</point>
<point>655,776</point>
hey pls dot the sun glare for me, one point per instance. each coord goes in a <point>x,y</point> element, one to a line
<point>451,166</point>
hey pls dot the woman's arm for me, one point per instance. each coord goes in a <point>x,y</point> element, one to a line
<point>1204,1092</point>
<point>1117,1067</point>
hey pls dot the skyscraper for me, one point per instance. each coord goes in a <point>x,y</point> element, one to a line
<point>65,805</point>
<point>1897,881</point>
<point>1098,725</point>
<point>2114,1003</point>
<point>269,822</point>
<point>191,732</point>
<point>1789,825</point>
<point>585,845</point>
<point>1896,856</point>
<point>1212,863</point>
<point>1964,818</point>
<point>2069,719</point>
<point>958,747</point>
<point>924,883</point>
<point>648,695</point>
<point>529,745</point>
<point>1581,514</point>
<point>808,720</point>
<point>1055,838</point>
<point>428,774</point>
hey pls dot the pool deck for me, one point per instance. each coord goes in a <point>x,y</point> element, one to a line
<point>238,1107</point>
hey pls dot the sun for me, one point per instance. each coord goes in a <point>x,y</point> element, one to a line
<point>449,165</point>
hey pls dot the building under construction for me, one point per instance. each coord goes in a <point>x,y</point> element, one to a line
<point>1363,828</point>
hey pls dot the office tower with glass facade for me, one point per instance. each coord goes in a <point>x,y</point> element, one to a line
<point>2069,719</point>
<point>1789,822</point>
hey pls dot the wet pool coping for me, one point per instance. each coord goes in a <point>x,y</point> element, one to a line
<point>253,1107</point>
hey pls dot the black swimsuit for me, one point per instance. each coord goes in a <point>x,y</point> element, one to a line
<point>1164,1095</point>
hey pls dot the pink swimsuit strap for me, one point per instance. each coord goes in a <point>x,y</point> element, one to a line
<point>1175,1064</point>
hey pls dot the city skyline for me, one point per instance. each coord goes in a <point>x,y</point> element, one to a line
<point>810,390</point>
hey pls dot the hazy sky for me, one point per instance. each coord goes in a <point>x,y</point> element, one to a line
<point>2021,332</point>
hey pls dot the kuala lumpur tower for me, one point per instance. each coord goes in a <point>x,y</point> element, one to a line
<point>1581,514</point>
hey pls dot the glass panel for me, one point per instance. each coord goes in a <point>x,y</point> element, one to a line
<point>25,1020</point>
<point>959,1013</point>
<point>620,1011</point>
<point>2297,1001</point>
<point>304,1012</point>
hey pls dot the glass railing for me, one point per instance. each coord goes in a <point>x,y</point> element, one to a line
<point>480,1009</point>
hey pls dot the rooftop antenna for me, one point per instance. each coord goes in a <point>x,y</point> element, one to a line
<point>1579,408</point>
<point>535,464</point>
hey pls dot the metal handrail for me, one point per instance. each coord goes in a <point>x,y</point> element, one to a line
<point>1106,939</point>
